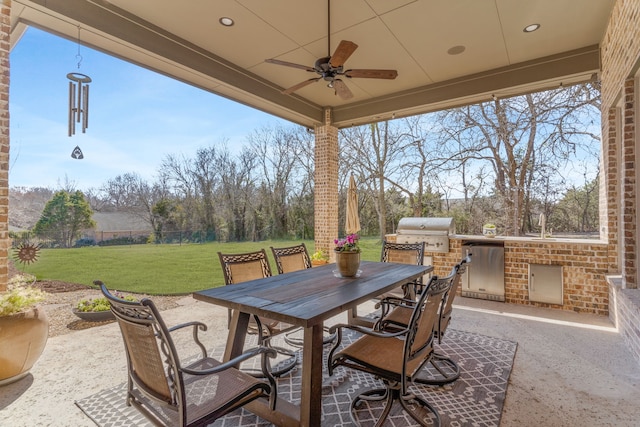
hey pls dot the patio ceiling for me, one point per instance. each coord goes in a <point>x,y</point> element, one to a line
<point>184,40</point>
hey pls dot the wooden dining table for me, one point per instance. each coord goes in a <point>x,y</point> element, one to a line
<point>305,298</point>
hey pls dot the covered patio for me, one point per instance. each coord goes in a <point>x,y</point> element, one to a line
<point>569,369</point>
<point>447,54</point>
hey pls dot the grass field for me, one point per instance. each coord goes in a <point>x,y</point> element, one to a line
<point>157,269</point>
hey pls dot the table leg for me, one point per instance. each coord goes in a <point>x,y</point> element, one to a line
<point>237,335</point>
<point>311,398</point>
<point>354,319</point>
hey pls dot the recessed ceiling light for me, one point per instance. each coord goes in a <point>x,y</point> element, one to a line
<point>456,50</point>
<point>531,28</point>
<point>227,22</point>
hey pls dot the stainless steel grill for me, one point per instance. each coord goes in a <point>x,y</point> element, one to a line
<point>434,232</point>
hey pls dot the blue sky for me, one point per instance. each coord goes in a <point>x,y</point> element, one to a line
<point>136,117</point>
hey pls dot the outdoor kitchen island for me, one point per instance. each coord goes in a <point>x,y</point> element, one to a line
<point>578,266</point>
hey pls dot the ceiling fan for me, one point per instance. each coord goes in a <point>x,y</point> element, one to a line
<point>331,68</point>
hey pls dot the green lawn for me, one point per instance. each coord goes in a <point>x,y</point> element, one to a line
<point>156,269</point>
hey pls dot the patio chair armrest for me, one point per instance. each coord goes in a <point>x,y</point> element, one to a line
<point>201,325</point>
<point>248,354</point>
<point>364,330</point>
<point>396,301</point>
<point>387,303</point>
<point>196,327</point>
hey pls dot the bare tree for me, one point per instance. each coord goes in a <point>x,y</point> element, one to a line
<point>523,139</point>
<point>132,194</point>
<point>373,151</point>
<point>237,194</point>
<point>276,150</point>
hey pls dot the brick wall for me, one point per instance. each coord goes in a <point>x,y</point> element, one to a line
<point>4,141</point>
<point>585,266</point>
<point>610,188</point>
<point>625,314</point>
<point>620,50</point>
<point>628,167</point>
<point>620,53</point>
<point>326,186</point>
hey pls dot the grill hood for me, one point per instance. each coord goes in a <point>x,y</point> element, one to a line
<point>421,225</point>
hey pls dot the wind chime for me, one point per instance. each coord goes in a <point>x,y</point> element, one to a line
<point>78,102</point>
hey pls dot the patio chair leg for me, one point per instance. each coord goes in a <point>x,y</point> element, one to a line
<point>409,401</point>
<point>447,368</point>
<point>375,395</point>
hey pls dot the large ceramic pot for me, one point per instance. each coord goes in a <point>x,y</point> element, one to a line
<point>22,340</point>
<point>347,263</point>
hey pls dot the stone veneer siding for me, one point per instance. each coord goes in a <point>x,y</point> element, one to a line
<point>5,48</point>
<point>585,266</point>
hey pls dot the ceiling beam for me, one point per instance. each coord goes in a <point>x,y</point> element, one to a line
<point>543,73</point>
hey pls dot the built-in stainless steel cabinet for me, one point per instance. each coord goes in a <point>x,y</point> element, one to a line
<point>484,277</point>
<point>545,283</point>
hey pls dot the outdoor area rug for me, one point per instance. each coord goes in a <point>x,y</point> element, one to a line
<point>475,399</point>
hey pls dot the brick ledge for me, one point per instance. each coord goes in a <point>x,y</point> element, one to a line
<point>624,312</point>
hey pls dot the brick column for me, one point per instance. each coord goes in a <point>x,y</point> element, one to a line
<point>326,185</point>
<point>5,47</point>
<point>629,268</point>
<point>610,229</point>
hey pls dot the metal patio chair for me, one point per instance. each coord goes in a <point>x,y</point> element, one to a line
<point>291,258</point>
<point>395,357</point>
<point>397,312</point>
<point>170,392</point>
<point>238,268</point>
<point>404,253</point>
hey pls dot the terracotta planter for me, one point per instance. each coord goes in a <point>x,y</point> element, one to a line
<point>22,340</point>
<point>347,263</point>
<point>318,262</point>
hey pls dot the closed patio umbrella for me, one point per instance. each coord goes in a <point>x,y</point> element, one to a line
<point>352,225</point>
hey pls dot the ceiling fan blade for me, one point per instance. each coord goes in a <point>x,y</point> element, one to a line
<point>341,89</point>
<point>372,74</point>
<point>344,50</point>
<point>300,85</point>
<point>289,64</point>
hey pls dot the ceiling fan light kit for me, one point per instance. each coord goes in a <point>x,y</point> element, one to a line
<point>331,67</point>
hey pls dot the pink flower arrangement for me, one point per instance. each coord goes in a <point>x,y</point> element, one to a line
<point>348,244</point>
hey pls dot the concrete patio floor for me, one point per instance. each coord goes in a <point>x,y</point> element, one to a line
<point>570,369</point>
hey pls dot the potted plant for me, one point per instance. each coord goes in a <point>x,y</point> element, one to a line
<point>97,309</point>
<point>489,230</point>
<point>24,328</point>
<point>347,253</point>
<point>319,257</point>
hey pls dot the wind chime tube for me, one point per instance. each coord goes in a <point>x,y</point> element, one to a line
<point>72,125</point>
<point>79,104</point>
<point>85,116</point>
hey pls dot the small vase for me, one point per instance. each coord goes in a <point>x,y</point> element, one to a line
<point>348,263</point>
